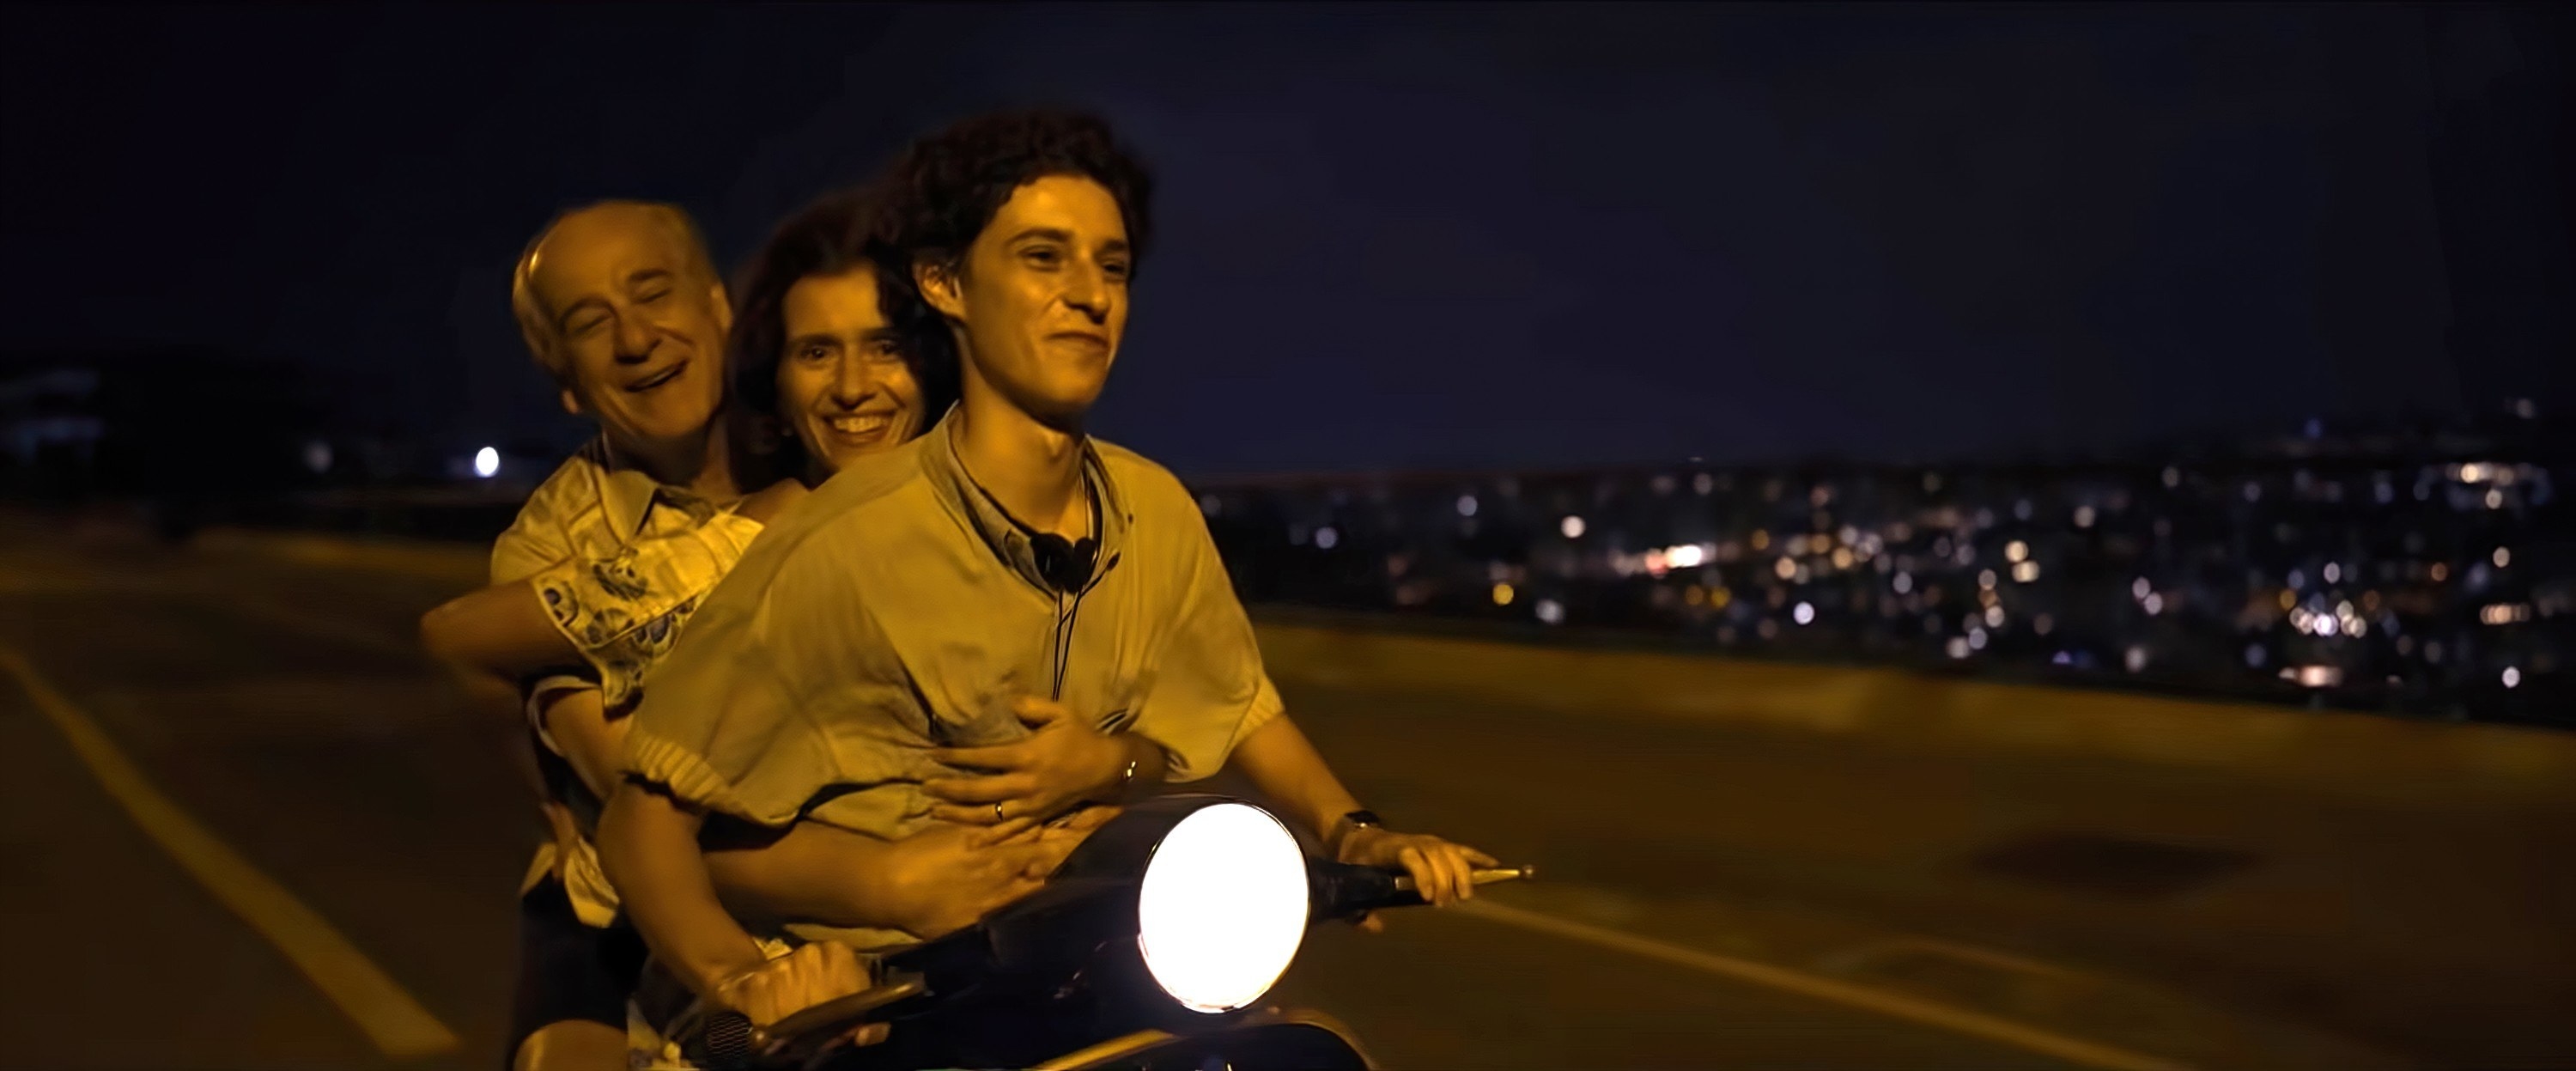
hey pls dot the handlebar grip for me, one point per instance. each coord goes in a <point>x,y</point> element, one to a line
<point>724,1039</point>
<point>1345,890</point>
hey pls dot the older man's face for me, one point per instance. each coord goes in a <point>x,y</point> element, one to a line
<point>639,326</point>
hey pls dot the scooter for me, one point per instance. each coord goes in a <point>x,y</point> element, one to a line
<point>1149,948</point>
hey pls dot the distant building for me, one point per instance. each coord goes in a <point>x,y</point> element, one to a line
<point>183,428</point>
<point>47,419</point>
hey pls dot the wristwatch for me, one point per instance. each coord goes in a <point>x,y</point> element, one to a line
<point>1351,821</point>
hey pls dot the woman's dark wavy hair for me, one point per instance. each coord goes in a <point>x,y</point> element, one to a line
<point>945,188</point>
<point>829,237</point>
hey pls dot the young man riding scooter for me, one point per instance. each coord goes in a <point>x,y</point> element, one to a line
<point>999,623</point>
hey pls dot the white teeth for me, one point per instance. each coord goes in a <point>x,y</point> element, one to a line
<point>858,425</point>
<point>656,379</point>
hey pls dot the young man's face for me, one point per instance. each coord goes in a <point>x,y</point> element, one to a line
<point>639,328</point>
<point>1043,296</point>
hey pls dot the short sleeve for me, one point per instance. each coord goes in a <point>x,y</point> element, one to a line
<point>526,549</point>
<point>1209,689</point>
<point>540,535</point>
<point>624,612</point>
<point>732,721</point>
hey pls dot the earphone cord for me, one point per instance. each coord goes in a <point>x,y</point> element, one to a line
<point>1065,617</point>
<point>1064,634</point>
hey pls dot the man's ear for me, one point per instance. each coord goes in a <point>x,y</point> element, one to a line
<point>571,403</point>
<point>938,285</point>
<point>724,308</point>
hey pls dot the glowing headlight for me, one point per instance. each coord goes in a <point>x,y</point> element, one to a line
<point>1222,908</point>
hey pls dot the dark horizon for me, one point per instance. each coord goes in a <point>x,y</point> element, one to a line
<point>1409,238</point>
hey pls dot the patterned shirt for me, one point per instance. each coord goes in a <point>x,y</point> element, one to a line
<point>620,562</point>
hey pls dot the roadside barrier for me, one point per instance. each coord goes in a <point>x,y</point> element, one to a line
<point>2364,754</point>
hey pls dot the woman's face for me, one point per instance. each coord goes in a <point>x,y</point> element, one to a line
<point>842,385</point>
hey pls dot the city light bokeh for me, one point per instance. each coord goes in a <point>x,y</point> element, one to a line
<point>2343,572</point>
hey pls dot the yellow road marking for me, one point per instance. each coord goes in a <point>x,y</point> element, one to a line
<point>1816,987</point>
<point>397,1024</point>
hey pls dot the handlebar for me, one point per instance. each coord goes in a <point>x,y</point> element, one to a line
<point>728,1042</point>
<point>731,1043</point>
<point>1347,890</point>
<point>838,1016</point>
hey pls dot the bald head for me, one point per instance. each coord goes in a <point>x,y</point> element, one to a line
<point>619,303</point>
<point>583,229</point>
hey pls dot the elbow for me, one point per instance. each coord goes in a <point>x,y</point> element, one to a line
<point>440,635</point>
<point>449,636</point>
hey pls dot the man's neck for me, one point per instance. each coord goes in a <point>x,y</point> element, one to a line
<point>1032,469</point>
<point>700,466</point>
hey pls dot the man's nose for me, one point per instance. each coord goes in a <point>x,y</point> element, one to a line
<point>634,338</point>
<point>1088,292</point>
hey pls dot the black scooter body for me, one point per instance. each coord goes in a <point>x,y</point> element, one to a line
<point>1059,973</point>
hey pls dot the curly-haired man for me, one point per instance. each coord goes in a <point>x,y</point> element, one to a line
<point>998,623</point>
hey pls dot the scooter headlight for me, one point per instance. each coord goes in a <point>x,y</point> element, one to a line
<point>1223,907</point>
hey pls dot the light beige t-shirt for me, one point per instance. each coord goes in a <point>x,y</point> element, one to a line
<point>898,609</point>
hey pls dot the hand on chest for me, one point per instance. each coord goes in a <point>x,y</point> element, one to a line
<point>1093,659</point>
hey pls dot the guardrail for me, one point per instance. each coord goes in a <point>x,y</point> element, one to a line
<point>1313,652</point>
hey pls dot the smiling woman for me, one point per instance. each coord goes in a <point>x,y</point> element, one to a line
<point>828,364</point>
<point>843,386</point>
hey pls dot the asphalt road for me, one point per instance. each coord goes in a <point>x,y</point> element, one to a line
<point>1714,896</point>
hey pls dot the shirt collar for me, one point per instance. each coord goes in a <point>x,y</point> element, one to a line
<point>1005,536</point>
<point>627,494</point>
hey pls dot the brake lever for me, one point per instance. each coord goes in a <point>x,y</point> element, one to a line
<point>1483,876</point>
<point>800,1037</point>
<point>728,1042</point>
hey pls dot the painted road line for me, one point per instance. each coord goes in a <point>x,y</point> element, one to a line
<point>1816,987</point>
<point>397,1024</point>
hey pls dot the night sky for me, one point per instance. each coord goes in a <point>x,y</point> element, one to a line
<point>1444,236</point>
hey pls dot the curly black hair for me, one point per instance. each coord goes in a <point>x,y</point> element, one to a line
<point>944,189</point>
<point>829,237</point>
